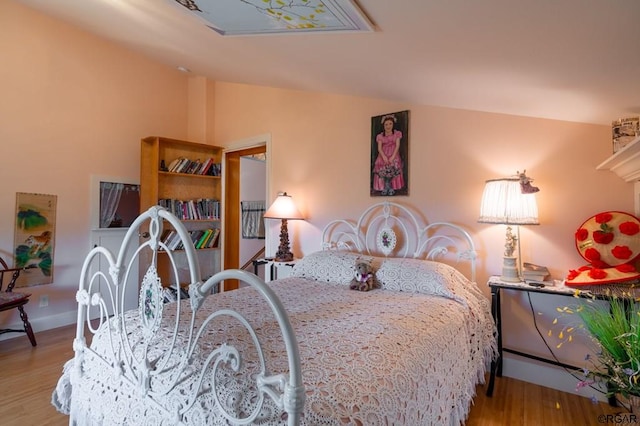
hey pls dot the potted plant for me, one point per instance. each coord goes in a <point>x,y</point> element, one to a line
<point>614,327</point>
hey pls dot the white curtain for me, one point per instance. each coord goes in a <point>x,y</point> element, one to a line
<point>110,193</point>
<point>252,219</point>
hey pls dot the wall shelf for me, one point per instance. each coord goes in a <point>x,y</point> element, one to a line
<point>626,162</point>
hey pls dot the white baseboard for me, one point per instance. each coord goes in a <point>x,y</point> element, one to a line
<point>546,375</point>
<point>42,324</point>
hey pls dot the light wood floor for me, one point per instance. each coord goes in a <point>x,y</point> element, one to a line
<point>29,375</point>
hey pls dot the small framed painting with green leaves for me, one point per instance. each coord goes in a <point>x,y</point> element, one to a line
<point>34,238</point>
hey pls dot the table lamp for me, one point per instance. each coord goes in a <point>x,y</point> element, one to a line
<point>283,208</point>
<point>510,201</point>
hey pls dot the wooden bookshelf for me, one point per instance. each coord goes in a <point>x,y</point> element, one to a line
<point>157,184</point>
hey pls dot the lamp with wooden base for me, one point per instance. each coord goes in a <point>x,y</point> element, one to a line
<point>283,208</point>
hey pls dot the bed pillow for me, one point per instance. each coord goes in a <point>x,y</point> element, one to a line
<point>418,276</point>
<point>330,266</point>
<point>395,274</point>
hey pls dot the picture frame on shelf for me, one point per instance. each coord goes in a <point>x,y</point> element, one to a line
<point>623,131</point>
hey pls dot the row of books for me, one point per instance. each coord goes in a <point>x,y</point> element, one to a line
<point>201,238</point>
<point>195,167</point>
<point>532,272</point>
<point>199,209</point>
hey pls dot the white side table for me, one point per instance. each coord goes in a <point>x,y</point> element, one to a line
<point>274,270</point>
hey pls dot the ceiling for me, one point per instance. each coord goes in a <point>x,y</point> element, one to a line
<point>574,60</point>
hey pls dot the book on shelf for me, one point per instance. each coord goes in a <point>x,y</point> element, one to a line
<point>166,236</point>
<point>184,162</point>
<point>206,166</point>
<point>193,166</point>
<point>184,165</point>
<point>198,209</point>
<point>173,164</point>
<point>213,241</point>
<point>175,241</point>
<point>196,170</point>
<point>192,214</point>
<point>216,169</point>
<point>208,208</point>
<point>532,272</point>
<point>187,165</point>
<point>195,236</point>
<point>201,238</point>
<point>205,236</point>
<point>179,165</point>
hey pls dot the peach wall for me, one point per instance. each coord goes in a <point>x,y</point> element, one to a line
<point>321,152</point>
<point>72,105</point>
<point>200,110</point>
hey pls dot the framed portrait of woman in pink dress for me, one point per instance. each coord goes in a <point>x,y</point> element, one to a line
<point>390,154</point>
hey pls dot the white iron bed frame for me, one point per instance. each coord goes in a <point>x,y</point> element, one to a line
<point>287,392</point>
<point>387,229</point>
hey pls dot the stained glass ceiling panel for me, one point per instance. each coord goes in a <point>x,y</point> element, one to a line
<point>260,17</point>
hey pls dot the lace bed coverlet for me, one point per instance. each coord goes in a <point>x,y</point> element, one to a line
<point>368,358</point>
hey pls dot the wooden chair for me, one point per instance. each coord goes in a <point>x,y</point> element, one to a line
<point>12,300</point>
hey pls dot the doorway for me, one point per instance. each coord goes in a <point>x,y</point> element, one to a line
<point>235,179</point>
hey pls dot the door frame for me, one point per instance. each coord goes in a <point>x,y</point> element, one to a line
<point>231,197</point>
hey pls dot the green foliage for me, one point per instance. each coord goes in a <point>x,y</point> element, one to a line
<point>29,219</point>
<point>45,264</point>
<point>24,257</point>
<point>615,328</point>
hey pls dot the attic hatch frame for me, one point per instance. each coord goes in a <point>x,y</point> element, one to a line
<point>257,17</point>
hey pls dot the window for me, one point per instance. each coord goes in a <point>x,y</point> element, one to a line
<point>119,204</point>
<point>115,202</point>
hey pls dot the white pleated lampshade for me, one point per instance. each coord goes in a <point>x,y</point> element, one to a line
<point>504,203</point>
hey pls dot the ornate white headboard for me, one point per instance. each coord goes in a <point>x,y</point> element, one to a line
<point>391,230</point>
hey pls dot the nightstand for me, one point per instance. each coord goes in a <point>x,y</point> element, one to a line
<point>497,285</point>
<point>272,269</point>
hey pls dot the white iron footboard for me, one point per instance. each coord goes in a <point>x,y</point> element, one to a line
<point>139,363</point>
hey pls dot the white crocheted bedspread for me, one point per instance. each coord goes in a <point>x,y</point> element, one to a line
<point>368,358</point>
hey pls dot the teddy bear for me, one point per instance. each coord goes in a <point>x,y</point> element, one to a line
<point>363,281</point>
